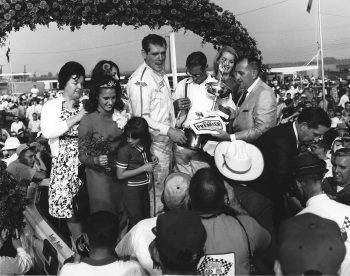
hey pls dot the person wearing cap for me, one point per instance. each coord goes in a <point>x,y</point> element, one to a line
<point>337,186</point>
<point>309,245</point>
<point>279,146</point>
<point>22,168</point>
<point>11,144</point>
<point>137,241</point>
<point>230,238</point>
<point>102,232</point>
<point>178,249</point>
<point>309,171</point>
<point>192,101</point>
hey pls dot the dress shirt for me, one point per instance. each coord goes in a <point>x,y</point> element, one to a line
<point>150,97</point>
<point>15,265</point>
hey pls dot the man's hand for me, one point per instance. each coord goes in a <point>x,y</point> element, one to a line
<point>177,135</point>
<point>222,135</point>
<point>182,104</point>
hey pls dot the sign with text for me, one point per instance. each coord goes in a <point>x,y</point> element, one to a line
<point>208,125</point>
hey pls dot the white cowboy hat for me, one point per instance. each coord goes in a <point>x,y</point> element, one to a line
<point>239,160</point>
<point>11,143</point>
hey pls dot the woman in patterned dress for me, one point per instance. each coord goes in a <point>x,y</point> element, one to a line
<point>60,118</point>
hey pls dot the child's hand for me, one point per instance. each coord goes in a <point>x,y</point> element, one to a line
<point>148,167</point>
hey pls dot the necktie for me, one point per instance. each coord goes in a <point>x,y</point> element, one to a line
<point>242,98</point>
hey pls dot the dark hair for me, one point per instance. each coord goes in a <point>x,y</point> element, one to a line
<point>253,62</point>
<point>314,116</point>
<point>102,229</point>
<point>92,103</point>
<point>223,50</point>
<point>137,128</point>
<point>207,191</point>
<point>153,39</point>
<point>68,70</point>
<point>196,59</point>
<point>23,152</point>
<point>103,68</point>
<point>342,152</point>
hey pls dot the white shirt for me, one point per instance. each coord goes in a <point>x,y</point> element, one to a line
<point>15,126</point>
<point>296,133</point>
<point>343,100</point>
<point>17,265</point>
<point>136,244</point>
<point>34,91</point>
<point>119,268</point>
<point>34,126</point>
<point>29,112</point>
<point>201,101</point>
<point>150,97</point>
<point>321,205</point>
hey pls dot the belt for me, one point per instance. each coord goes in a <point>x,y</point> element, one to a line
<point>65,137</point>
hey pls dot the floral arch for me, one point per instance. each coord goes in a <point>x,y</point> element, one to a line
<point>202,17</point>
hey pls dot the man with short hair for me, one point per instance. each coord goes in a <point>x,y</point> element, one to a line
<point>102,232</point>
<point>192,101</point>
<point>309,171</point>
<point>257,107</point>
<point>230,238</point>
<point>34,127</point>
<point>17,125</point>
<point>22,168</point>
<point>337,186</point>
<point>150,97</point>
<point>279,146</point>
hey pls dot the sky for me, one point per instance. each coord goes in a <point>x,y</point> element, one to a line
<point>284,32</point>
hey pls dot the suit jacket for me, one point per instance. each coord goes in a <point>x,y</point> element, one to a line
<point>257,114</point>
<point>279,148</point>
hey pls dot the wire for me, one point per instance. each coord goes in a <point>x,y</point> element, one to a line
<point>261,8</point>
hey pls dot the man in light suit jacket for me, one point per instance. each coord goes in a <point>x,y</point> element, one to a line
<point>257,106</point>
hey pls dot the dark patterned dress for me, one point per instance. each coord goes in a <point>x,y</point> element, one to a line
<point>64,180</point>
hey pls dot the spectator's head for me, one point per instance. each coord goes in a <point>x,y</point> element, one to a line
<point>105,68</point>
<point>176,191</point>
<point>341,166</point>
<point>179,243</point>
<point>26,155</point>
<point>196,65</point>
<point>154,51</point>
<point>312,123</point>
<point>320,148</point>
<point>247,70</point>
<point>289,96</point>
<point>225,61</point>
<point>71,78</point>
<point>309,245</point>
<point>309,171</point>
<point>15,119</point>
<point>102,230</point>
<point>347,106</point>
<point>207,191</point>
<point>105,95</point>
<point>35,116</point>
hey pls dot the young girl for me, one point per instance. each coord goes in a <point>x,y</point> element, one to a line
<point>135,165</point>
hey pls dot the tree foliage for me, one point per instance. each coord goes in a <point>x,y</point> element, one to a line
<point>202,17</point>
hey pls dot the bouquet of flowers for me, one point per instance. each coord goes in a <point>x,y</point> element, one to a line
<point>96,146</point>
<point>13,201</point>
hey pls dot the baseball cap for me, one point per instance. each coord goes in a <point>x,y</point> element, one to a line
<point>309,243</point>
<point>176,187</point>
<point>11,143</point>
<point>180,237</point>
<point>308,163</point>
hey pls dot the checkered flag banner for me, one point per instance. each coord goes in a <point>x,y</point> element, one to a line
<point>345,229</point>
<point>218,265</point>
